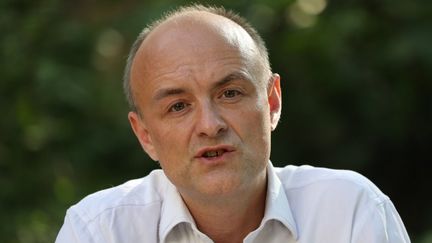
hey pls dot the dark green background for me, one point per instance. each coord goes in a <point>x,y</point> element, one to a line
<point>357,88</point>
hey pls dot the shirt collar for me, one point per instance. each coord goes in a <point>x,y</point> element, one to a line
<point>277,205</point>
<point>174,211</point>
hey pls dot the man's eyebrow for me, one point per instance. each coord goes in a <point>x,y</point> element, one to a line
<point>162,93</point>
<point>231,77</point>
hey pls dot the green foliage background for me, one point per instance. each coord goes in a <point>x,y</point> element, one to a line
<point>356,79</point>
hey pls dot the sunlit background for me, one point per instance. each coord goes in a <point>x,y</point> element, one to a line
<point>357,88</point>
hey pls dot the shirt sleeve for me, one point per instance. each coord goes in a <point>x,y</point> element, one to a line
<point>379,223</point>
<point>74,230</point>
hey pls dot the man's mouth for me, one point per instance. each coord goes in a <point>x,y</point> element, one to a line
<point>214,153</point>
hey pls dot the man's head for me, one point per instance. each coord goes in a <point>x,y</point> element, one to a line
<point>206,103</point>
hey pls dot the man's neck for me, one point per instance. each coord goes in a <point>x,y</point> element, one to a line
<point>233,219</point>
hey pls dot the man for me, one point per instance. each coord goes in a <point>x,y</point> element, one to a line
<point>204,102</point>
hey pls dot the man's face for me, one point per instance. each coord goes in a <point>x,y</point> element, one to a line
<point>205,110</point>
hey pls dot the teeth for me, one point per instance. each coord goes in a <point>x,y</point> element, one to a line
<point>212,153</point>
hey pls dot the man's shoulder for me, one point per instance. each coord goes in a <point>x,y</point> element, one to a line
<point>332,181</point>
<point>143,192</point>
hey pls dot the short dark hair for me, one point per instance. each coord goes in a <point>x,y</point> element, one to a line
<point>259,42</point>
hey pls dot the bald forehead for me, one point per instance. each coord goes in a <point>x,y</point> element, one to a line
<point>198,28</point>
<point>193,39</point>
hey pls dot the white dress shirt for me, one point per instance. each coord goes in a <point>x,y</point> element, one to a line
<point>304,204</point>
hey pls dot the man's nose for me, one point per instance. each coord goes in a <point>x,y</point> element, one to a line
<point>210,123</point>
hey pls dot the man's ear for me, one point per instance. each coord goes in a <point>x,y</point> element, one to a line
<point>142,134</point>
<point>274,99</point>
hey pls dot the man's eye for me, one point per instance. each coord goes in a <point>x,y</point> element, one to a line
<point>177,107</point>
<point>231,93</point>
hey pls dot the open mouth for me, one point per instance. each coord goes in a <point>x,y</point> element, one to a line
<point>213,153</point>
